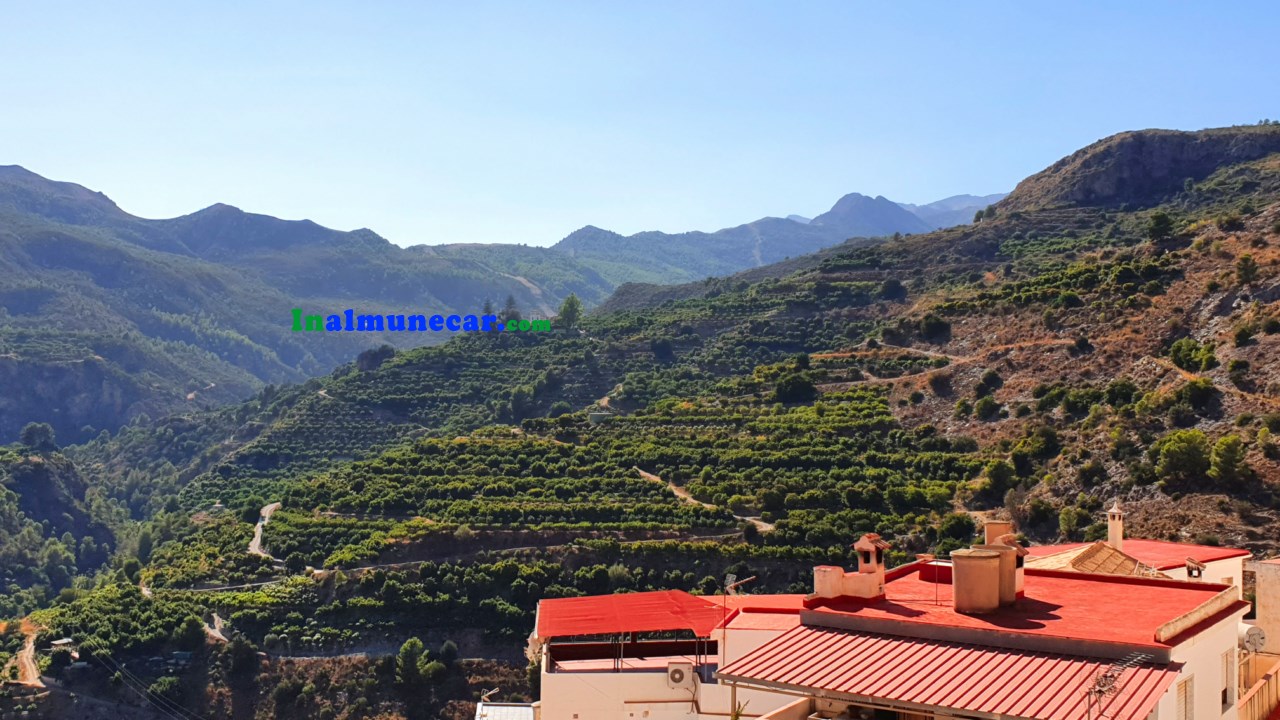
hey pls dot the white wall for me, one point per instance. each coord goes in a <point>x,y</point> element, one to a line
<point>1202,660</point>
<point>1226,572</point>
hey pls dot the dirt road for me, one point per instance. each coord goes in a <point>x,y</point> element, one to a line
<point>255,545</point>
<point>684,495</point>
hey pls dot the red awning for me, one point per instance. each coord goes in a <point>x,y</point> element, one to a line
<point>663,610</point>
<point>933,674</point>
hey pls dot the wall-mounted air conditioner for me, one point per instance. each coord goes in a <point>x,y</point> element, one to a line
<point>680,675</point>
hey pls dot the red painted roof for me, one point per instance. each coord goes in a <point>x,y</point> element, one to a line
<point>952,675</point>
<point>1159,554</point>
<point>632,612</point>
<point>657,611</point>
<point>1077,606</point>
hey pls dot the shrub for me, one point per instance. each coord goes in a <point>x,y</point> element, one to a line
<point>1160,226</point>
<point>1192,356</point>
<point>934,328</point>
<point>986,408</point>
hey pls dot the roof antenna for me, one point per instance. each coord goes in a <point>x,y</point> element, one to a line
<point>1107,682</point>
<point>731,584</point>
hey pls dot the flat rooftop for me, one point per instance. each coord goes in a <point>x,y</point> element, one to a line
<point>1105,609</point>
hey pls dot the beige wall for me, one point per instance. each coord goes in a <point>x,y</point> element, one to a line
<point>1267,594</point>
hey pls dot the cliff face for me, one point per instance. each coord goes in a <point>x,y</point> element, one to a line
<point>1140,167</point>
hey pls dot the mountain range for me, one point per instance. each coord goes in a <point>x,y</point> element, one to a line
<point>105,316</point>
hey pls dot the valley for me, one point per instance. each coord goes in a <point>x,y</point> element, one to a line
<point>1086,340</point>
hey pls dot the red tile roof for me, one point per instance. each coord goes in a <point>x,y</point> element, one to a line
<point>1108,609</point>
<point>1159,554</point>
<point>969,678</point>
<point>658,611</point>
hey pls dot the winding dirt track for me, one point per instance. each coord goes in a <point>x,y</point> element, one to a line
<point>684,495</point>
<point>255,545</point>
<point>28,670</point>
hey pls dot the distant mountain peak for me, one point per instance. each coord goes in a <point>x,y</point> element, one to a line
<point>61,201</point>
<point>858,215</point>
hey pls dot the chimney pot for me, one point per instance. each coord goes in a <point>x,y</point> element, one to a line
<point>992,530</point>
<point>975,585</point>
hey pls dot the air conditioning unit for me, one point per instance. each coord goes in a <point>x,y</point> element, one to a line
<point>680,675</point>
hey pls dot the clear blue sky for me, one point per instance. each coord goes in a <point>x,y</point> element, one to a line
<point>520,122</point>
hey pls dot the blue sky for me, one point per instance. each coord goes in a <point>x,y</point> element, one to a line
<point>520,122</point>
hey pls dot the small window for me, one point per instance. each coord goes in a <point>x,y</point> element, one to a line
<point>879,556</point>
<point>1186,700</point>
<point>866,557</point>
<point>1228,679</point>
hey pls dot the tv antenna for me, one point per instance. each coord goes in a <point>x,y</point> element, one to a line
<point>1106,682</point>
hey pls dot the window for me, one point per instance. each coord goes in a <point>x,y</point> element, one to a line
<point>1186,700</point>
<point>1228,679</point>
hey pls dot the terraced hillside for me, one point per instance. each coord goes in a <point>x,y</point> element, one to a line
<point>1039,363</point>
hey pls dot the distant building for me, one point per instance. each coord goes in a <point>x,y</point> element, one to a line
<point>982,635</point>
<point>1180,561</point>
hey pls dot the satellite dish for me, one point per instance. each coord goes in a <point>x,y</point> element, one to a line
<point>1252,638</point>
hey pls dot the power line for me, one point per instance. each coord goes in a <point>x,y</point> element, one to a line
<point>169,708</point>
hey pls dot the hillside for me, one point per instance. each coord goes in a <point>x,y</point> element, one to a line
<point>1040,363</point>
<point>49,533</point>
<point>106,317</point>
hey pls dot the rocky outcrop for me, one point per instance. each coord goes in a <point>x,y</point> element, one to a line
<point>1140,168</point>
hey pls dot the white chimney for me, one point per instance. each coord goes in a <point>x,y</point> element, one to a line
<point>1115,527</point>
<point>867,582</point>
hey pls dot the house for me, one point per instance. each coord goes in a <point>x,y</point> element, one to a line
<point>651,654</point>
<point>1180,561</point>
<point>978,635</point>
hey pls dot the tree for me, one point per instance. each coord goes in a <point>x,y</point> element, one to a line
<point>1182,455</point>
<point>242,657</point>
<point>570,312</point>
<point>373,358</point>
<point>190,634</point>
<point>1160,227</point>
<point>1227,461</point>
<point>409,663</point>
<point>145,545</point>
<point>38,437</point>
<point>448,652</point>
<point>487,308</point>
<point>1246,269</point>
<point>892,289</point>
<point>934,328</point>
<point>510,311</point>
<point>794,388</point>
